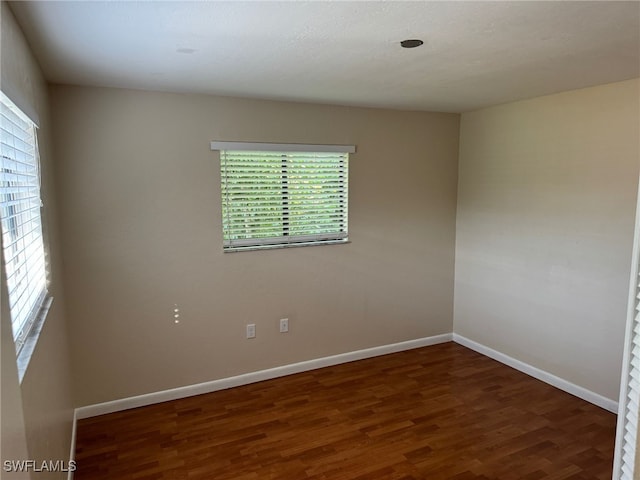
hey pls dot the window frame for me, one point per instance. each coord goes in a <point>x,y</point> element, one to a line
<point>25,337</point>
<point>625,452</point>
<point>229,151</point>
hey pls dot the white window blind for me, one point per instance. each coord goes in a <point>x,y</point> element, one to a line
<point>22,241</point>
<point>276,195</point>
<point>627,431</point>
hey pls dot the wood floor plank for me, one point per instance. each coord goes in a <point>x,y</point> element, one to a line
<point>439,412</point>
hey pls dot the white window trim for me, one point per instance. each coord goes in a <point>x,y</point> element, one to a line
<point>29,344</point>
<point>282,147</point>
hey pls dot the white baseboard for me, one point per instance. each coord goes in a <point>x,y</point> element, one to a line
<point>247,378</point>
<point>258,376</point>
<point>573,389</point>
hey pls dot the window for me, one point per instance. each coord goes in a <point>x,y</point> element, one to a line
<point>276,195</point>
<point>625,458</point>
<point>22,241</point>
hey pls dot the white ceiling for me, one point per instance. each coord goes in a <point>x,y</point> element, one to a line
<point>475,53</point>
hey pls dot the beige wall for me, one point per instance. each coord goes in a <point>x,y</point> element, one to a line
<point>13,443</point>
<point>140,204</point>
<point>546,202</point>
<point>39,411</point>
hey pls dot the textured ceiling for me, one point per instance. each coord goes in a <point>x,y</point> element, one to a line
<point>475,53</point>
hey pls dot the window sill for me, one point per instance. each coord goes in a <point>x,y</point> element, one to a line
<point>32,339</point>
<point>252,248</point>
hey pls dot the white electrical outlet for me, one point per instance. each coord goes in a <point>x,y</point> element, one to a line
<point>251,330</point>
<point>284,325</point>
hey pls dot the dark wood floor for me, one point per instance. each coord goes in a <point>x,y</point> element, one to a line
<point>440,412</point>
